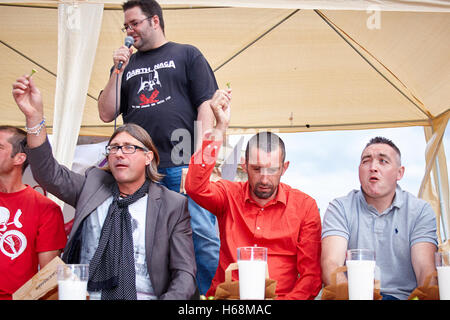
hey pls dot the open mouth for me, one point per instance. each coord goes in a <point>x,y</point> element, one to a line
<point>373,179</point>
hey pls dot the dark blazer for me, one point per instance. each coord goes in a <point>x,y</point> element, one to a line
<point>168,234</point>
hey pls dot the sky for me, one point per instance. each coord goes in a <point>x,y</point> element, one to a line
<point>325,164</point>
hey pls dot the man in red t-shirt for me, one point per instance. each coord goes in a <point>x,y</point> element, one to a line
<point>31,225</point>
<point>260,212</point>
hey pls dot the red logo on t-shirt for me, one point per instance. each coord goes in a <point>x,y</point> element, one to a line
<point>152,98</point>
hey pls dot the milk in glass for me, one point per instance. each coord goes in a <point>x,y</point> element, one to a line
<point>72,281</point>
<point>360,275</point>
<point>72,290</point>
<point>444,282</point>
<point>252,279</point>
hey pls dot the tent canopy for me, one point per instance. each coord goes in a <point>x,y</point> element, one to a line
<point>291,68</point>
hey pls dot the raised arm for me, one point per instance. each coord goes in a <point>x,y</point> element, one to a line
<point>107,98</point>
<point>56,179</point>
<point>205,122</point>
<point>220,105</point>
<point>29,99</point>
<point>198,186</point>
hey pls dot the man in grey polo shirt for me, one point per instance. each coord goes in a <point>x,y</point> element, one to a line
<point>398,226</point>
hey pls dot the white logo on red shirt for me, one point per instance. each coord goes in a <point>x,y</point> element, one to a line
<point>12,242</point>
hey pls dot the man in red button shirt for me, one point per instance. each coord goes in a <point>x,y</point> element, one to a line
<point>262,211</point>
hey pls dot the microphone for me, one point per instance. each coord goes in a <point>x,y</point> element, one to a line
<point>128,43</point>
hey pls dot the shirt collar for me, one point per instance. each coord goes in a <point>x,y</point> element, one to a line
<point>280,197</point>
<point>397,203</point>
<point>398,199</point>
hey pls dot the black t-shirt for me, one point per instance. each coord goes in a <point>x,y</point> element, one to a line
<point>161,91</point>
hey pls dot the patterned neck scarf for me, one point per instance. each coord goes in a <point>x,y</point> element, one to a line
<point>112,267</point>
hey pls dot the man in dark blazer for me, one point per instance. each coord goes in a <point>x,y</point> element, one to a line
<point>109,211</point>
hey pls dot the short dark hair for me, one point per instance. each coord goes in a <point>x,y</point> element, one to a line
<point>384,140</point>
<point>18,141</point>
<point>142,136</point>
<point>148,7</point>
<point>266,141</point>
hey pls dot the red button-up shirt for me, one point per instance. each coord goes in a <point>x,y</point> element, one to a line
<point>289,226</point>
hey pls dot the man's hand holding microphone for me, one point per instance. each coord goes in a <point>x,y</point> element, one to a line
<point>122,55</point>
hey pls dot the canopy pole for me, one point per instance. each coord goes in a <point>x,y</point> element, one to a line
<point>444,223</point>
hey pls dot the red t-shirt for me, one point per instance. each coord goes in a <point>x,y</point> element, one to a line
<point>289,226</point>
<point>29,223</point>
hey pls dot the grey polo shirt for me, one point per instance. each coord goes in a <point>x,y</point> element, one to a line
<point>391,234</point>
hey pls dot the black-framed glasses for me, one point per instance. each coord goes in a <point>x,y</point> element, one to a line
<point>126,149</point>
<point>133,25</point>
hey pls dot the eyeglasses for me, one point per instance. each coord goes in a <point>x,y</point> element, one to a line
<point>126,149</point>
<point>132,26</point>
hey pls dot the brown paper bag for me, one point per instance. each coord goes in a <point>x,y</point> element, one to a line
<point>339,291</point>
<point>229,290</point>
<point>43,285</point>
<point>426,292</point>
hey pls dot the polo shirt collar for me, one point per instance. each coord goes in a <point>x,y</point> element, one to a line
<point>397,203</point>
<point>398,200</point>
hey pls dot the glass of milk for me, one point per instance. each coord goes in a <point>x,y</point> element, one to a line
<point>360,273</point>
<point>72,281</point>
<point>443,269</point>
<point>252,264</point>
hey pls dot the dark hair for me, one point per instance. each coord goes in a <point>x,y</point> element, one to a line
<point>18,141</point>
<point>148,7</point>
<point>266,141</point>
<point>384,140</point>
<point>142,136</point>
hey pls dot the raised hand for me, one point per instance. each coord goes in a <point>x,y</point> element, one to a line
<point>28,98</point>
<point>221,107</point>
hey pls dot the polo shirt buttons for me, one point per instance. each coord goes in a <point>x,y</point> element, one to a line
<point>379,225</point>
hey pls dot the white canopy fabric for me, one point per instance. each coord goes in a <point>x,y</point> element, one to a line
<point>291,69</point>
<point>294,65</point>
<point>78,31</point>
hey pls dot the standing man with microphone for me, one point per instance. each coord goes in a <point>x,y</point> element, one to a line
<point>165,87</point>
